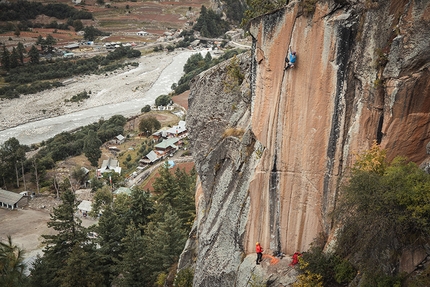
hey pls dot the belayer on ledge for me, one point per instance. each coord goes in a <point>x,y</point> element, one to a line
<point>290,60</point>
<point>259,251</point>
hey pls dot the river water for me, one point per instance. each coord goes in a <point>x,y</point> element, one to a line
<point>38,131</point>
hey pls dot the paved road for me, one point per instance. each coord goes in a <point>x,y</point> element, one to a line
<point>38,131</point>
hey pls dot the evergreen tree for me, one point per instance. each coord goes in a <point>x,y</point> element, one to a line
<point>103,198</point>
<point>133,267</point>
<point>41,42</point>
<point>141,207</point>
<point>17,31</point>
<point>50,42</point>
<point>12,154</point>
<point>111,230</point>
<point>11,265</point>
<point>14,58</point>
<point>5,59</point>
<point>177,190</point>
<point>21,51</point>
<point>164,241</point>
<point>77,24</point>
<point>92,148</point>
<point>34,55</point>
<point>70,233</point>
<point>81,269</point>
<point>210,24</point>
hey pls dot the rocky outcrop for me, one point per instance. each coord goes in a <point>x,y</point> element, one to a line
<point>272,150</point>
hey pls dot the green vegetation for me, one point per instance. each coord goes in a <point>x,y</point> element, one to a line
<point>24,11</point>
<point>163,100</point>
<point>90,33</point>
<point>79,97</point>
<point>146,109</point>
<point>38,76</point>
<point>234,76</point>
<point>63,145</point>
<point>197,64</point>
<point>148,125</point>
<point>210,24</point>
<point>11,264</point>
<point>383,210</point>
<point>260,7</point>
<point>138,237</point>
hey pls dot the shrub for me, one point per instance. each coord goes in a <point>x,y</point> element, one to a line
<point>146,109</point>
<point>163,100</point>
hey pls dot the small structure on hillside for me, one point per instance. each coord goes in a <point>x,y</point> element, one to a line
<point>167,146</point>
<point>150,158</point>
<point>109,165</point>
<point>119,139</point>
<point>178,131</point>
<point>124,190</point>
<point>142,33</point>
<point>12,200</point>
<point>85,206</point>
<point>71,46</point>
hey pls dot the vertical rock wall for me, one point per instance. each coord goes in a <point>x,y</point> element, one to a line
<point>362,74</point>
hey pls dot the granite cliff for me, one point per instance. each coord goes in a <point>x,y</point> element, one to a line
<point>272,146</point>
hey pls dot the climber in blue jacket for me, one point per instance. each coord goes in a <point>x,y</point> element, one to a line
<point>291,59</point>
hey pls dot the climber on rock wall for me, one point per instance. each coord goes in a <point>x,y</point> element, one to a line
<point>259,251</point>
<point>290,60</point>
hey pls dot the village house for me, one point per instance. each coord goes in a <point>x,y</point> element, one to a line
<point>167,146</point>
<point>179,131</point>
<point>119,139</point>
<point>12,200</point>
<point>85,207</point>
<point>150,158</point>
<point>109,165</point>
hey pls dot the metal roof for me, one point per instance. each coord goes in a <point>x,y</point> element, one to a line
<point>152,156</point>
<point>166,143</point>
<point>85,205</point>
<point>9,197</point>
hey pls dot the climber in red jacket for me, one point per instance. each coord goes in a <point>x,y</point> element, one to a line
<point>259,251</point>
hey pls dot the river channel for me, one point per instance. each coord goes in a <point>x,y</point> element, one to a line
<point>38,131</point>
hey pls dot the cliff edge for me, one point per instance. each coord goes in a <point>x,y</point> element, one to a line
<point>271,147</point>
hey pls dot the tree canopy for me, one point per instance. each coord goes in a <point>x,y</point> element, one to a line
<point>383,210</point>
<point>210,24</point>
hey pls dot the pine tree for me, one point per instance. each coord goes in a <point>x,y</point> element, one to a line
<point>111,230</point>
<point>5,59</point>
<point>133,265</point>
<point>164,241</point>
<point>21,50</point>
<point>70,233</point>
<point>141,207</point>
<point>92,148</point>
<point>11,265</point>
<point>34,55</point>
<point>14,57</point>
<point>81,269</point>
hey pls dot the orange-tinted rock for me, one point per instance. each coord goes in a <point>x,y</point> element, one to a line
<point>361,75</point>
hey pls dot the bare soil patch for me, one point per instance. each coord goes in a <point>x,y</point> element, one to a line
<point>182,99</point>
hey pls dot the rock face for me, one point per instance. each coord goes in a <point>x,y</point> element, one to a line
<point>271,150</point>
